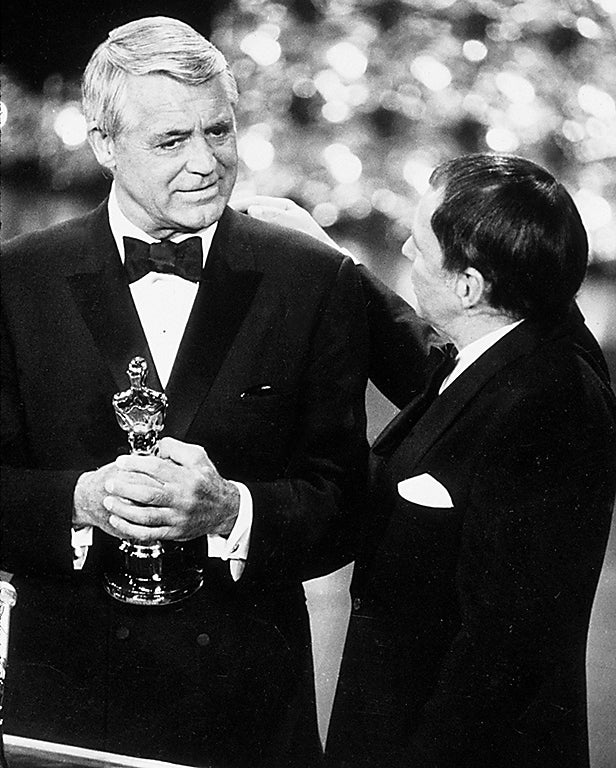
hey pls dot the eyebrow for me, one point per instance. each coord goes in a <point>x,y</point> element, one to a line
<point>223,122</point>
<point>171,133</point>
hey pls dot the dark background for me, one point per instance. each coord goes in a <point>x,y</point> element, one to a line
<point>40,37</point>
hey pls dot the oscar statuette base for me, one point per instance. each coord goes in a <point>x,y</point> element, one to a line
<point>153,574</point>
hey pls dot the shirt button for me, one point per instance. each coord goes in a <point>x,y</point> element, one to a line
<point>235,548</point>
<point>122,633</point>
<point>203,639</point>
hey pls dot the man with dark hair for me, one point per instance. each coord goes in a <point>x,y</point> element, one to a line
<point>495,216</point>
<point>491,499</point>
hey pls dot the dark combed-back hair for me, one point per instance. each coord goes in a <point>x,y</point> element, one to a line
<point>512,221</point>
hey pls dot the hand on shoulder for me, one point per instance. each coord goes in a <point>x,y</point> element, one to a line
<point>285,212</point>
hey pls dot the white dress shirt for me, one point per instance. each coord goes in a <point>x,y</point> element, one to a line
<point>164,303</point>
<point>471,352</point>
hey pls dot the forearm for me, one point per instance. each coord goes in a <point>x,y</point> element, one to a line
<point>300,527</point>
<point>399,341</point>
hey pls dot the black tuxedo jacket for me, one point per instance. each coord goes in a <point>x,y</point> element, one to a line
<point>467,640</point>
<point>213,676</point>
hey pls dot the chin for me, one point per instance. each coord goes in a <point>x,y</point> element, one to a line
<point>200,219</point>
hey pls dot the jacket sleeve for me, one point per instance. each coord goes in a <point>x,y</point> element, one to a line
<point>35,505</point>
<point>307,518</point>
<point>399,341</point>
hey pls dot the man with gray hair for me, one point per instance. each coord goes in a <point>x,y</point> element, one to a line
<point>258,337</point>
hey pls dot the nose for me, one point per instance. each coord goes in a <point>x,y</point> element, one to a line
<point>201,159</point>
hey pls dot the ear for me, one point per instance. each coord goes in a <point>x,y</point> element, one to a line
<point>471,288</point>
<point>103,147</point>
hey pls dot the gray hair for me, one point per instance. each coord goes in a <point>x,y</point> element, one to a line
<point>153,45</point>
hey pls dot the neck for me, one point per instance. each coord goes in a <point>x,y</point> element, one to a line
<point>125,211</point>
<point>467,329</point>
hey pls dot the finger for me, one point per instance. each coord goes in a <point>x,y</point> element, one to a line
<point>264,212</point>
<point>126,530</point>
<point>150,470</point>
<point>139,489</point>
<point>242,203</point>
<point>149,465</point>
<point>145,516</point>
<point>185,454</point>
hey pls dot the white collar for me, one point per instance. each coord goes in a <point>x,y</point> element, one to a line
<point>471,352</point>
<point>121,227</point>
<point>475,349</point>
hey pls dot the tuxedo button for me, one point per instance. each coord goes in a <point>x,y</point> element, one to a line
<point>356,604</point>
<point>203,639</point>
<point>122,633</point>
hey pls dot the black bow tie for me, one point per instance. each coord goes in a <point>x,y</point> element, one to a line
<point>446,358</point>
<point>184,259</point>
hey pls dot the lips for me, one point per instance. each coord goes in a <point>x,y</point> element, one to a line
<point>206,188</point>
<point>202,193</point>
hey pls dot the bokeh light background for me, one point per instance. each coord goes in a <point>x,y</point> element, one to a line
<point>347,105</point>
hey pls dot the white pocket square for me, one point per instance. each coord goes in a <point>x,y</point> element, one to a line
<point>425,490</point>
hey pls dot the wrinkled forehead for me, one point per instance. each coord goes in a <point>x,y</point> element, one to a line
<point>158,98</point>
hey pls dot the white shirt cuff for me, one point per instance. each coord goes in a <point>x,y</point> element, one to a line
<point>235,547</point>
<point>81,540</point>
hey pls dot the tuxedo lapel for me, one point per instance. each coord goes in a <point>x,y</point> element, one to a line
<point>421,433</point>
<point>225,294</point>
<point>439,363</point>
<point>100,289</point>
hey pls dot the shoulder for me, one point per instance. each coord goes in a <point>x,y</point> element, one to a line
<point>556,395</point>
<point>42,249</point>
<point>557,365</point>
<point>287,251</point>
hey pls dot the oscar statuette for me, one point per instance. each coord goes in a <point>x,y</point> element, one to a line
<point>149,573</point>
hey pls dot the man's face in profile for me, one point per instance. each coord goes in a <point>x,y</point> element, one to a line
<point>433,285</point>
<point>175,159</point>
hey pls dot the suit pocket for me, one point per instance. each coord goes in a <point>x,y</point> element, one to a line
<point>410,513</point>
<point>425,490</point>
<point>265,398</point>
<point>258,391</point>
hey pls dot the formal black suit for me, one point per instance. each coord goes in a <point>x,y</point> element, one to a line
<point>215,677</point>
<point>467,641</point>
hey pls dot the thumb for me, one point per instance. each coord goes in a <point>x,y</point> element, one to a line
<point>185,454</point>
